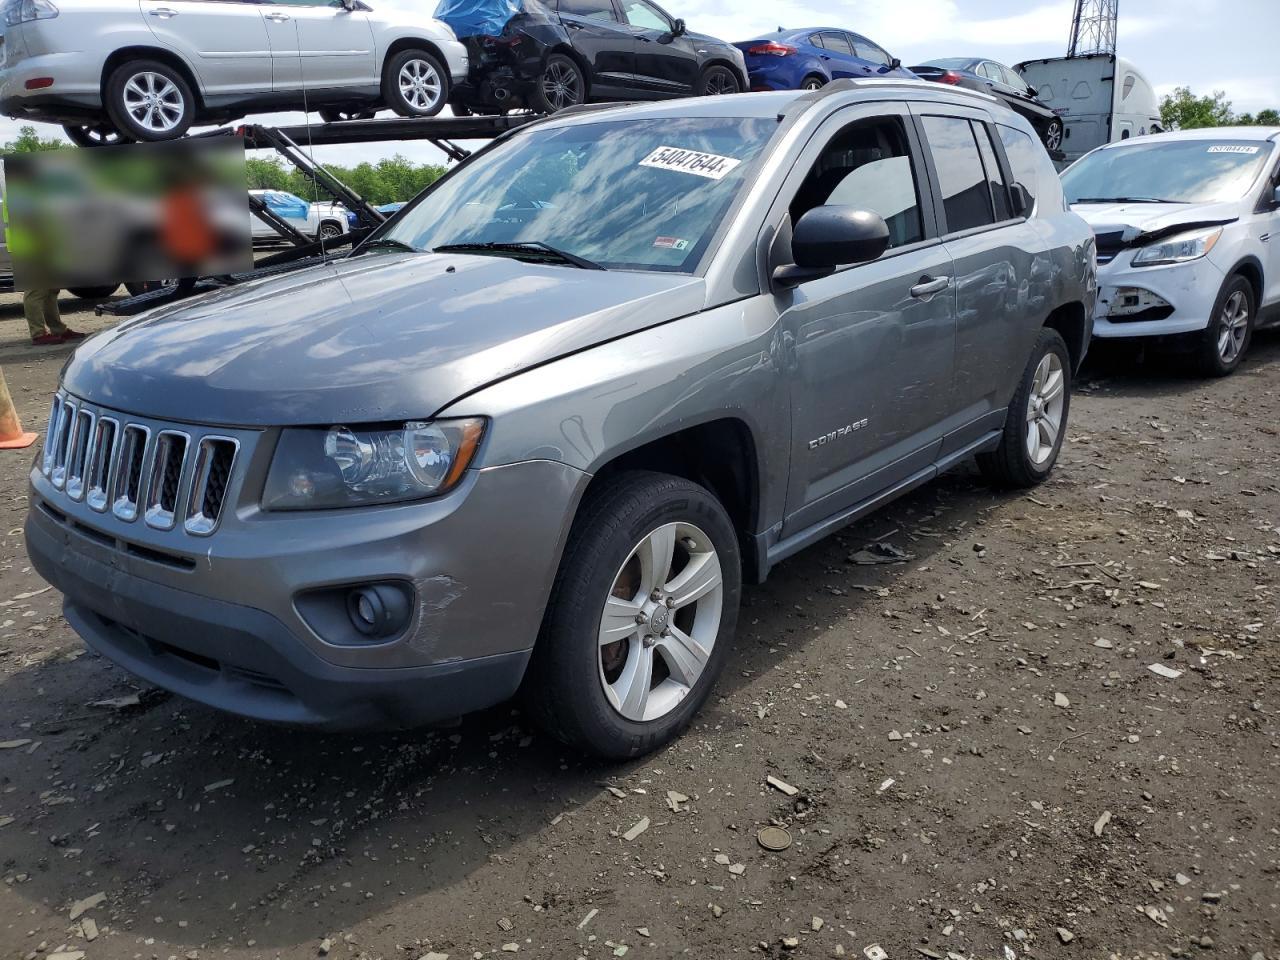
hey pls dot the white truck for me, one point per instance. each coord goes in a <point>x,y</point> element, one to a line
<point>1101,98</point>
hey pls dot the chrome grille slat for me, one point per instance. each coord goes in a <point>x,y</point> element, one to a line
<point>101,461</point>
<point>164,481</point>
<point>78,452</point>
<point>215,459</point>
<point>167,475</point>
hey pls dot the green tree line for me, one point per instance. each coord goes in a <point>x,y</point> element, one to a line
<point>1184,110</point>
<point>388,180</point>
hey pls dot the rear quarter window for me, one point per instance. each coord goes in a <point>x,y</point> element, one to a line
<point>1024,160</point>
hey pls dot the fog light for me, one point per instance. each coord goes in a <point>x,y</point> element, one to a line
<point>1130,301</point>
<point>378,610</point>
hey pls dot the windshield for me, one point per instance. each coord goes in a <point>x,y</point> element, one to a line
<point>1188,171</point>
<point>629,194</point>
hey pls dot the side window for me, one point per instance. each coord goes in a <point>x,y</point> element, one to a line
<point>995,179</point>
<point>588,9</point>
<point>303,3</point>
<point>816,39</point>
<point>867,165</point>
<point>837,43</point>
<point>1013,80</point>
<point>1024,160</point>
<point>966,199</point>
<point>869,51</point>
<point>990,71</point>
<point>643,15</point>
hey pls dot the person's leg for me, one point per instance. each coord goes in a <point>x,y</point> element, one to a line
<point>33,310</point>
<point>52,316</point>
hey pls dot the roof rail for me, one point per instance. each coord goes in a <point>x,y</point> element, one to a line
<point>804,102</point>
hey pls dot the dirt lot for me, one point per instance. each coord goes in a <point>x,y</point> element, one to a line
<point>984,762</point>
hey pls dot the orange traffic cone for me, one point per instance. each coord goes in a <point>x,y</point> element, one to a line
<point>11,434</point>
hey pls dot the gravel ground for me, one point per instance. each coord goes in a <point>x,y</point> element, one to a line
<point>974,756</point>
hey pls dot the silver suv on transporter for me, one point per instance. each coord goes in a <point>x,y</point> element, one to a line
<point>148,69</point>
<point>538,430</point>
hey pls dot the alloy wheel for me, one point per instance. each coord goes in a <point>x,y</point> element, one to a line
<point>813,83</point>
<point>1053,137</point>
<point>154,102</point>
<point>420,84</point>
<point>329,231</point>
<point>1044,408</point>
<point>561,85</point>
<point>660,622</point>
<point>1233,327</point>
<point>720,82</point>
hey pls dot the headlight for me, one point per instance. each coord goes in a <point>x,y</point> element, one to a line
<point>1179,249</point>
<point>351,466</point>
<point>20,11</point>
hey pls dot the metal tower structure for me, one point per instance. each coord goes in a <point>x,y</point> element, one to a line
<point>1093,29</point>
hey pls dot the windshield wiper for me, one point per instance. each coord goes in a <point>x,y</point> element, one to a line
<point>515,247</point>
<point>1126,200</point>
<point>389,242</point>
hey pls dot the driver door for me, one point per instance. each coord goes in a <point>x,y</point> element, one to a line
<point>870,349</point>
<point>664,63</point>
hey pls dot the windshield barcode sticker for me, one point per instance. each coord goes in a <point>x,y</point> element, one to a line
<point>1233,148</point>
<point>707,165</point>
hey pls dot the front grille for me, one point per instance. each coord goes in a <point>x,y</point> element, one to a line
<point>161,474</point>
<point>1109,245</point>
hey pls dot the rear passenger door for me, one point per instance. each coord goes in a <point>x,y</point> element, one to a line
<point>841,60</point>
<point>1000,258</point>
<point>868,349</point>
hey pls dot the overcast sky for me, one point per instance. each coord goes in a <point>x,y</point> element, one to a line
<point>1175,42</point>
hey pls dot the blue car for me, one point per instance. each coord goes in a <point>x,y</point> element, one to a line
<point>809,58</point>
<point>387,208</point>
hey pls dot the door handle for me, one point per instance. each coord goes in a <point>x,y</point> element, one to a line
<point>928,286</point>
<point>569,24</point>
<point>277,17</point>
<point>165,12</point>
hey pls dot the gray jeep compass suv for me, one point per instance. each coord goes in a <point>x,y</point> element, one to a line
<point>539,429</point>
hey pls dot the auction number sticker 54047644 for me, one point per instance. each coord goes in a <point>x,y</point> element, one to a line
<point>709,165</point>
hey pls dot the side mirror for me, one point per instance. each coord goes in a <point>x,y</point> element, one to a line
<point>1021,202</point>
<point>830,237</point>
<point>1275,196</point>
<point>895,64</point>
<point>1033,92</point>
<point>678,29</point>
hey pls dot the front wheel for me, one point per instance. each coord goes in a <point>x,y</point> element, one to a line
<point>335,115</point>
<point>717,80</point>
<point>92,293</point>
<point>561,85</point>
<point>1223,343</point>
<point>1037,419</point>
<point>329,231</point>
<point>1053,135</point>
<point>641,616</point>
<point>415,84</point>
<point>149,100</point>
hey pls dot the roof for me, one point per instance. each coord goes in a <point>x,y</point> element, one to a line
<point>1258,134</point>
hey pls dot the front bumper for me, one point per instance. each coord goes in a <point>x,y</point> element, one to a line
<point>1191,289</point>
<point>227,630</point>
<point>74,94</point>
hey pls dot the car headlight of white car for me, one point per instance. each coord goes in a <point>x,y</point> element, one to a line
<point>21,11</point>
<point>1180,248</point>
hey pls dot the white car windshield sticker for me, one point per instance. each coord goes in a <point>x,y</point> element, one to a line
<point>708,165</point>
<point>1235,148</point>
<point>671,243</point>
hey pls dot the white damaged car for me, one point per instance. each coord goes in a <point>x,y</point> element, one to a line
<point>1188,234</point>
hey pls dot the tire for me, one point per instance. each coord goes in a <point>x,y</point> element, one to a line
<point>329,230</point>
<point>1223,344</point>
<point>576,688</point>
<point>717,80</point>
<point>93,293</point>
<point>561,85</point>
<point>334,115</point>
<point>137,287</point>
<point>167,117</point>
<point>415,83</point>
<point>813,82</point>
<point>1053,135</point>
<point>94,135</point>
<point>1034,417</point>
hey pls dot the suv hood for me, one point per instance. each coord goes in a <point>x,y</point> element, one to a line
<point>383,336</point>
<point>1157,218</point>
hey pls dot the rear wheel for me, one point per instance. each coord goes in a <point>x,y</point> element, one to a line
<point>93,135</point>
<point>334,115</point>
<point>1223,343</point>
<point>561,85</point>
<point>717,80</point>
<point>1053,135</point>
<point>1037,419</point>
<point>813,83</point>
<point>640,618</point>
<point>149,100</point>
<point>415,84</point>
<point>329,230</point>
